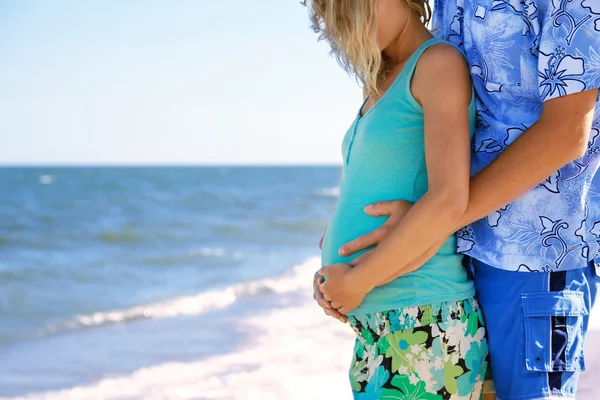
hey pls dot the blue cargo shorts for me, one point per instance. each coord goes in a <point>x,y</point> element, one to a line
<point>536,324</point>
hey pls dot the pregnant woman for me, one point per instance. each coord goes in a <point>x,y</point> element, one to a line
<point>420,334</point>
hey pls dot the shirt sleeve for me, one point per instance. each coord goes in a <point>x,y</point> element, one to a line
<point>569,46</point>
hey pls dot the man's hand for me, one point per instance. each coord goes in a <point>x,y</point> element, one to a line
<point>324,304</point>
<point>340,289</point>
<point>396,210</point>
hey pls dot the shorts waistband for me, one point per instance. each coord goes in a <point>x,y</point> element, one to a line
<point>382,323</point>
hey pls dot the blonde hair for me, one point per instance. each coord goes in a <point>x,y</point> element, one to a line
<point>350,28</point>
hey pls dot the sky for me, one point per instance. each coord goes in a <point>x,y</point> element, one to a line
<point>168,82</point>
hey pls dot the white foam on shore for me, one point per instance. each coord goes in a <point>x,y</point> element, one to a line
<point>291,354</point>
<point>299,277</point>
<point>294,354</point>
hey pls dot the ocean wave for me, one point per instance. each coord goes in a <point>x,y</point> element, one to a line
<point>192,255</point>
<point>214,252</point>
<point>120,237</point>
<point>228,229</point>
<point>46,179</point>
<point>299,277</point>
<point>297,226</point>
<point>328,192</point>
<point>297,353</point>
<point>207,251</point>
<point>131,234</point>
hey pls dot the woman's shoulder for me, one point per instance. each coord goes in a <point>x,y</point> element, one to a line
<point>443,56</point>
<point>441,67</point>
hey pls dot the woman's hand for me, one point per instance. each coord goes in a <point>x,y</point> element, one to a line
<point>395,209</point>
<point>344,293</point>
<point>318,296</point>
<point>324,304</point>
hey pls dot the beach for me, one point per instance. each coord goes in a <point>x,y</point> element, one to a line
<point>163,283</point>
<point>290,351</point>
<point>156,297</point>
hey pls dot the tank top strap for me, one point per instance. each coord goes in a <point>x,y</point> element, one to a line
<point>411,64</point>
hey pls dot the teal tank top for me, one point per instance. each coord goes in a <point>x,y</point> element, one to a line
<point>384,159</point>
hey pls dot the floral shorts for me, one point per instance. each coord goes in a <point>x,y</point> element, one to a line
<point>433,352</point>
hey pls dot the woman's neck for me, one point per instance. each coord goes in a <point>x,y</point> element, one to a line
<point>412,36</point>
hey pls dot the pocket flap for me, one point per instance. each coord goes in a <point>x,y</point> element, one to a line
<point>547,304</point>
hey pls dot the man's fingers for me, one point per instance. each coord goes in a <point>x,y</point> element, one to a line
<point>380,209</point>
<point>365,241</point>
<point>360,259</point>
<point>327,297</point>
<point>397,208</point>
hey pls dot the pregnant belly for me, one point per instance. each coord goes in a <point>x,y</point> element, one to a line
<point>346,224</point>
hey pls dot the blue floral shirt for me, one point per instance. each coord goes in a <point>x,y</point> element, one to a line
<point>522,53</point>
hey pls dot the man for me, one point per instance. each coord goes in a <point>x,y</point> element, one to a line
<point>535,255</point>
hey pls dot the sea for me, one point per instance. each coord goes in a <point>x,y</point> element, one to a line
<point>166,283</point>
<point>173,283</point>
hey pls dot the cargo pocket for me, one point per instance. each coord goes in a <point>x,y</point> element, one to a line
<point>553,323</point>
<point>596,266</point>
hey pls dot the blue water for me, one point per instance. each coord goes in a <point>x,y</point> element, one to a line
<point>98,265</point>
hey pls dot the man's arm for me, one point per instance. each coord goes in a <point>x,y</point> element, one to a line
<point>559,137</point>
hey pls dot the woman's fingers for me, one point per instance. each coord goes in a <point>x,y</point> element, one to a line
<point>317,279</point>
<point>336,314</point>
<point>322,302</point>
<point>317,295</point>
<point>336,305</point>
